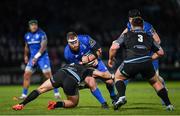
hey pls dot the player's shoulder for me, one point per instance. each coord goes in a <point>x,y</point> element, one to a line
<point>66,49</point>
<point>147,24</point>
<point>27,35</point>
<point>84,38</point>
<point>41,32</point>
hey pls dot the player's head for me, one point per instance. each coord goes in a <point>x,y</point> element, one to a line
<point>73,41</point>
<point>133,13</point>
<point>33,25</point>
<point>137,22</point>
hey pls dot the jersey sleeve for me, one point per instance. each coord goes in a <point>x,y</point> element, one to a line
<point>155,47</point>
<point>120,40</point>
<point>43,36</point>
<point>128,26</point>
<point>66,55</point>
<point>25,36</point>
<point>91,42</point>
<point>149,29</point>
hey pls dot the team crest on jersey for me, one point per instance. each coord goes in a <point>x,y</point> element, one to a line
<point>28,37</point>
<point>37,36</point>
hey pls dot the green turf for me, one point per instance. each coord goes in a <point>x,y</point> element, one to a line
<point>141,100</point>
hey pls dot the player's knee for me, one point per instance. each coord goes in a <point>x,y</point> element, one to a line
<point>48,75</point>
<point>27,75</point>
<point>42,89</point>
<point>91,83</point>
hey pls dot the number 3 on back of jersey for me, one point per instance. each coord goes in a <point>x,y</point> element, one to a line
<point>140,38</point>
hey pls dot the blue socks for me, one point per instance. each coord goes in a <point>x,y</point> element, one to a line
<point>126,82</point>
<point>98,95</point>
<point>111,89</point>
<point>25,91</point>
<point>56,90</point>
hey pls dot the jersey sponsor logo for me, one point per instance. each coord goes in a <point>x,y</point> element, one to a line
<point>140,47</point>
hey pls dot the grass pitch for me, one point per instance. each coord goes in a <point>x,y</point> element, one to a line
<point>141,98</point>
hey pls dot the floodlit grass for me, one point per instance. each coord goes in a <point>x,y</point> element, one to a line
<point>141,98</point>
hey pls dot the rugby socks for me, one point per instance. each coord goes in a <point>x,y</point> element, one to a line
<point>24,92</point>
<point>33,95</point>
<point>98,95</point>
<point>126,82</point>
<point>56,92</point>
<point>164,96</point>
<point>59,104</point>
<point>121,88</point>
<point>111,89</point>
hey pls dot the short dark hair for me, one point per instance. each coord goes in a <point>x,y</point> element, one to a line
<point>134,13</point>
<point>71,34</point>
<point>138,21</point>
<point>32,21</point>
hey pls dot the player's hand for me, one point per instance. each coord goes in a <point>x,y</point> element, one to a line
<point>34,61</point>
<point>110,63</point>
<point>26,59</point>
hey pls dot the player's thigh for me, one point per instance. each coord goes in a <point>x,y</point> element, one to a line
<point>147,70</point>
<point>70,86</point>
<point>90,81</point>
<point>58,79</point>
<point>44,65</point>
<point>29,69</point>
<point>46,86</point>
<point>126,71</point>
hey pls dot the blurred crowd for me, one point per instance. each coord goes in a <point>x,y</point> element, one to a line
<point>104,20</point>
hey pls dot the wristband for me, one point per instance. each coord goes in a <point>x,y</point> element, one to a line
<point>37,55</point>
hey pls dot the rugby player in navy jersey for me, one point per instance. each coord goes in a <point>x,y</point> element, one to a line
<point>149,29</point>
<point>68,77</point>
<point>137,44</point>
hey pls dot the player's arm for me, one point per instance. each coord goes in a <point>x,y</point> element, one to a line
<point>103,75</point>
<point>158,51</point>
<point>41,50</point>
<point>26,53</point>
<point>113,49</point>
<point>95,73</point>
<point>95,48</point>
<point>154,34</point>
<point>125,31</point>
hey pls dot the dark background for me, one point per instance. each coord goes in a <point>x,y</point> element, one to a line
<point>104,20</point>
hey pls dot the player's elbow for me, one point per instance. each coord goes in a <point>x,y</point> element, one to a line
<point>114,47</point>
<point>160,53</point>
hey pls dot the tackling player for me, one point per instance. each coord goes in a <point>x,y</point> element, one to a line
<point>137,45</point>
<point>35,54</point>
<point>80,46</point>
<point>68,77</point>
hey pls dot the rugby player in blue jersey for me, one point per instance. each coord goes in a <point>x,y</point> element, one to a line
<point>35,54</point>
<point>80,46</point>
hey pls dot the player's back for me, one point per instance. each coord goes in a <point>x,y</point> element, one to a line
<point>77,70</point>
<point>137,44</point>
